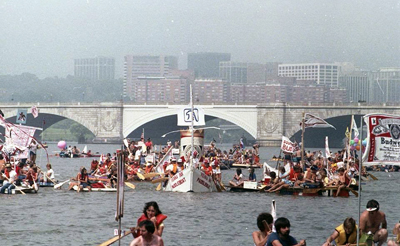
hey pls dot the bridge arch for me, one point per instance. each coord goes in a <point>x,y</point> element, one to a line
<point>242,116</point>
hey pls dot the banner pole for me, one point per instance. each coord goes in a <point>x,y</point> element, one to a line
<point>359,183</point>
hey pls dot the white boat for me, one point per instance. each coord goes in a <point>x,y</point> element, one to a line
<point>190,180</point>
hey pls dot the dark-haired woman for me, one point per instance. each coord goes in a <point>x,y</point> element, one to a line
<point>83,180</point>
<point>151,212</point>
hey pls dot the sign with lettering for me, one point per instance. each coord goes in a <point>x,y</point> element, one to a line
<point>383,142</point>
<point>287,145</point>
<point>185,116</point>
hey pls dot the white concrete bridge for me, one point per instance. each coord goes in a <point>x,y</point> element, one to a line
<point>265,122</point>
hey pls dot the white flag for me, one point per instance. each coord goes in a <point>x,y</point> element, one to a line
<point>316,122</point>
<point>327,152</point>
<point>34,111</point>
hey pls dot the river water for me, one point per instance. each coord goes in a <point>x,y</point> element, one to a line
<point>61,217</point>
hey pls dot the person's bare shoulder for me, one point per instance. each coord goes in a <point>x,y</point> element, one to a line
<point>136,242</point>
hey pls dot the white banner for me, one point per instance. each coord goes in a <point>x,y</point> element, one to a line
<point>383,145</point>
<point>327,151</point>
<point>287,145</point>
<point>185,116</point>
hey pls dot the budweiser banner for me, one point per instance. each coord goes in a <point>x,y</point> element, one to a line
<point>383,145</point>
<point>287,145</point>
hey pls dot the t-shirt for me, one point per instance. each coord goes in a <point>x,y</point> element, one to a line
<point>274,236</point>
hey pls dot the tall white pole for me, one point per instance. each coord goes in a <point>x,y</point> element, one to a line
<point>359,182</point>
<point>192,127</point>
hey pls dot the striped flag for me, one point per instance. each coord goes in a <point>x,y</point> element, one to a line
<point>315,122</point>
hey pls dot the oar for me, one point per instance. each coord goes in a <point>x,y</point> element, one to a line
<point>130,185</point>
<point>151,175</point>
<point>140,176</point>
<point>372,176</point>
<point>114,239</point>
<point>13,183</point>
<point>60,184</point>
<point>222,185</point>
<point>353,191</point>
<point>159,186</point>
<point>160,180</point>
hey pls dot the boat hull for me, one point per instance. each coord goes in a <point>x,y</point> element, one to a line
<point>190,180</point>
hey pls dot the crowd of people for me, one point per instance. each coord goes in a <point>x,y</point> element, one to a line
<point>23,172</point>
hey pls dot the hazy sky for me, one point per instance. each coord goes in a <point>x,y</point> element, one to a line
<point>43,37</point>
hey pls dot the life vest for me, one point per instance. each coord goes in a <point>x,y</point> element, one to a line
<point>341,239</point>
<point>82,178</point>
<point>207,170</point>
<point>148,169</point>
<point>159,219</point>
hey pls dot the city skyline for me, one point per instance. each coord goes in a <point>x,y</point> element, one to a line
<point>44,38</point>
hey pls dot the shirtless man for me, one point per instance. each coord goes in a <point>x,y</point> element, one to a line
<point>147,237</point>
<point>374,221</point>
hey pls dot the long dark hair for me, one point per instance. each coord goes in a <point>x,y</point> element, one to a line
<point>155,206</point>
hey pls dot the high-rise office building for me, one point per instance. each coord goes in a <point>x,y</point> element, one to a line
<point>321,73</point>
<point>385,85</point>
<point>98,68</point>
<point>145,66</point>
<point>357,85</point>
<point>206,65</point>
<point>233,72</point>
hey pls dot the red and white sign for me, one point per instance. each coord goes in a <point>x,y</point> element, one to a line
<point>287,145</point>
<point>383,144</point>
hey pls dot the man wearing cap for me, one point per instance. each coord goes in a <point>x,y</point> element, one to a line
<point>180,166</point>
<point>374,221</point>
<point>10,176</point>
<point>172,168</point>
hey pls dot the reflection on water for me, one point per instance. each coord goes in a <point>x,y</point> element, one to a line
<point>68,218</point>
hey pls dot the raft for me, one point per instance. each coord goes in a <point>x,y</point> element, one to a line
<point>96,189</point>
<point>46,184</point>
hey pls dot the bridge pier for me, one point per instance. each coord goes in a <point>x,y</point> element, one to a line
<point>269,142</point>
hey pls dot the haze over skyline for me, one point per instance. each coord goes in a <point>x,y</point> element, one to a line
<point>44,37</point>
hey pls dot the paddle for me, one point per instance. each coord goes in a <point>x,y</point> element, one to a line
<point>151,175</point>
<point>140,176</point>
<point>115,239</point>
<point>159,186</point>
<point>130,185</point>
<point>372,176</point>
<point>222,185</point>
<point>60,184</point>
<point>354,192</point>
<point>160,180</point>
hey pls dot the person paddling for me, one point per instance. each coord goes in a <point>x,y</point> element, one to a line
<point>148,236</point>
<point>265,222</point>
